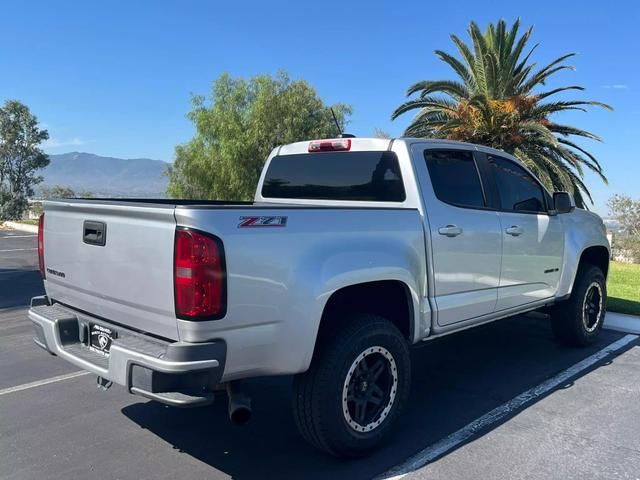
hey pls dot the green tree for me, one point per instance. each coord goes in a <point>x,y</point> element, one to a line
<point>496,102</point>
<point>237,129</point>
<point>379,133</point>
<point>56,191</point>
<point>20,158</point>
<point>627,211</point>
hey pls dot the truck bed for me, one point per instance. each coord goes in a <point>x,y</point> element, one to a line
<point>129,280</point>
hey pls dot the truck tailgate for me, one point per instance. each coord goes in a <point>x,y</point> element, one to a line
<point>113,261</point>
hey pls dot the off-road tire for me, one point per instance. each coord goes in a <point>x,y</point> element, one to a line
<point>571,320</point>
<point>319,395</point>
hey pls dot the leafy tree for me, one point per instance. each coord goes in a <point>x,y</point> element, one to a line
<point>20,158</point>
<point>627,211</point>
<point>379,133</point>
<point>57,191</point>
<point>496,102</point>
<point>237,129</point>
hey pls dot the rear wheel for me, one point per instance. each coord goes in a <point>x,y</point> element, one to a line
<point>355,388</point>
<point>578,320</point>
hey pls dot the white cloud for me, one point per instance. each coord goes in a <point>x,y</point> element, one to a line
<point>67,142</point>
<point>616,86</point>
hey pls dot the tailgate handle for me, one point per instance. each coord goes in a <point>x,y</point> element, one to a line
<point>94,233</point>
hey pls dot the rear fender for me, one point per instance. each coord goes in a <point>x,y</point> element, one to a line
<point>330,269</point>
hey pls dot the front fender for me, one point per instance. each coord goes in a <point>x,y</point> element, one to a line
<point>583,230</point>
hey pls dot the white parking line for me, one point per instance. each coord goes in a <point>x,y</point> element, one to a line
<point>441,447</point>
<point>38,383</point>
<point>18,236</point>
<point>18,249</point>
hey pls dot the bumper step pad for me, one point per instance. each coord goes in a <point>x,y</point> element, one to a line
<point>177,399</point>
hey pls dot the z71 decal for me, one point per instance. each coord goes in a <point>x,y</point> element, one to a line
<point>249,222</point>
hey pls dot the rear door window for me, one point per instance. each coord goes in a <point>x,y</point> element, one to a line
<point>362,176</point>
<point>455,177</point>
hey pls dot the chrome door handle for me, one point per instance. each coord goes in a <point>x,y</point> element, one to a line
<point>450,231</point>
<point>514,231</point>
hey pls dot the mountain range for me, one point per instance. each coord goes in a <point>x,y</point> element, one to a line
<point>106,176</point>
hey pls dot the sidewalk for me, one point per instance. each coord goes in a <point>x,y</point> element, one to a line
<point>20,226</point>
<point>622,322</point>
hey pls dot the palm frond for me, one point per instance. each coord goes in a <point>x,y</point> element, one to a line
<point>496,101</point>
<point>558,90</point>
<point>449,87</point>
<point>550,69</point>
<point>523,63</point>
<point>480,49</point>
<point>544,110</point>
<point>581,160</point>
<point>540,130</point>
<point>571,144</point>
<point>511,37</point>
<point>517,50</point>
<point>425,102</point>
<point>569,130</point>
<point>463,71</point>
<point>464,51</point>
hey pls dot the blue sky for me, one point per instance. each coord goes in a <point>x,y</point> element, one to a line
<point>115,78</point>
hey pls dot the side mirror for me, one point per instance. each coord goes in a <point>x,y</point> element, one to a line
<point>563,202</point>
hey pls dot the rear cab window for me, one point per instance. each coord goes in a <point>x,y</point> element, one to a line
<point>370,176</point>
<point>455,178</point>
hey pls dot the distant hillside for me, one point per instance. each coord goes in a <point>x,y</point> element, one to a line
<point>106,176</point>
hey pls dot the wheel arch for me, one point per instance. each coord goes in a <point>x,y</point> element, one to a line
<point>390,299</point>
<point>596,255</point>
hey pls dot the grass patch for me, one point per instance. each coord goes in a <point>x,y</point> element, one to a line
<point>623,288</point>
<point>31,221</point>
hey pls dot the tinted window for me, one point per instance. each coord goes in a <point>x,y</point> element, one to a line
<point>455,177</point>
<point>368,176</point>
<point>517,189</point>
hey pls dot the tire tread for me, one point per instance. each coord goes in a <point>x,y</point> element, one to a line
<point>566,317</point>
<point>309,386</point>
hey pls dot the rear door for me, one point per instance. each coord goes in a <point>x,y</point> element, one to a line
<point>466,240</point>
<point>113,260</point>
<point>533,240</point>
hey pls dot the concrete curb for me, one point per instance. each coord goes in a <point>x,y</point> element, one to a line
<point>621,322</point>
<point>20,226</point>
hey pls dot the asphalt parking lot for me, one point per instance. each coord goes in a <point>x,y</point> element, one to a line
<point>501,401</point>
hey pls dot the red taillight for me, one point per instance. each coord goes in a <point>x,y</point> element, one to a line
<point>340,144</point>
<point>199,276</point>
<point>41,245</point>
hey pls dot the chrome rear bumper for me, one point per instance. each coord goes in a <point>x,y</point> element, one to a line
<point>175,373</point>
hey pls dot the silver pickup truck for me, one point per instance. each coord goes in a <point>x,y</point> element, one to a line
<point>353,250</point>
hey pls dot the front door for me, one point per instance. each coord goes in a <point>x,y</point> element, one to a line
<point>533,240</point>
<point>466,238</point>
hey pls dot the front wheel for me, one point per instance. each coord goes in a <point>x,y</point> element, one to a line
<point>578,320</point>
<point>355,388</point>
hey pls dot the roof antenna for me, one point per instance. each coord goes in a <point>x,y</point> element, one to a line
<point>340,133</point>
<point>335,119</point>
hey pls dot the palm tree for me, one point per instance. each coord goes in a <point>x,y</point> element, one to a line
<point>494,103</point>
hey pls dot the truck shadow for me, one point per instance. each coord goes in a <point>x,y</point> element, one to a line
<point>18,286</point>
<point>456,380</point>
